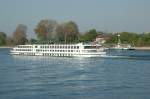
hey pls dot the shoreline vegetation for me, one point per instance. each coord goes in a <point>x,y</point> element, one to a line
<point>51,31</point>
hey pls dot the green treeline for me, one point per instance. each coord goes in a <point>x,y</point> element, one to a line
<point>50,31</point>
<point>135,39</point>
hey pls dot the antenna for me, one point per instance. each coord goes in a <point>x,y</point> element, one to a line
<point>119,41</point>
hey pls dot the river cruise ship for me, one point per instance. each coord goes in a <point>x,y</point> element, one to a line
<point>61,50</point>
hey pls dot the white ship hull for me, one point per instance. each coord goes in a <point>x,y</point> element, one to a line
<point>61,55</point>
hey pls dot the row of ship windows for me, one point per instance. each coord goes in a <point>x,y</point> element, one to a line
<point>31,54</point>
<point>58,50</point>
<point>47,54</point>
<point>48,50</point>
<point>66,47</point>
<point>25,46</point>
<point>23,49</point>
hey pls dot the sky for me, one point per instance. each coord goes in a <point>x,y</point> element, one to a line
<point>103,15</point>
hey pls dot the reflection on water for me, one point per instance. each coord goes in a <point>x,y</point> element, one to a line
<point>32,77</point>
<point>78,62</point>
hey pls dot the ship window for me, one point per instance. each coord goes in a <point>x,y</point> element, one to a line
<point>71,47</point>
<point>35,47</point>
<point>77,47</point>
<point>89,47</point>
<point>68,47</point>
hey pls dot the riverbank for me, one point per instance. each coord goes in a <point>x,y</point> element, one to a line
<point>141,48</point>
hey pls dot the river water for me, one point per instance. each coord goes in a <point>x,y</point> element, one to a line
<point>118,75</point>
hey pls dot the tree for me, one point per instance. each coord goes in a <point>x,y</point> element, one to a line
<point>19,35</point>
<point>9,41</point>
<point>113,38</point>
<point>145,39</point>
<point>33,41</point>
<point>45,29</point>
<point>89,36</point>
<point>71,31</point>
<point>60,33</point>
<point>2,38</point>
